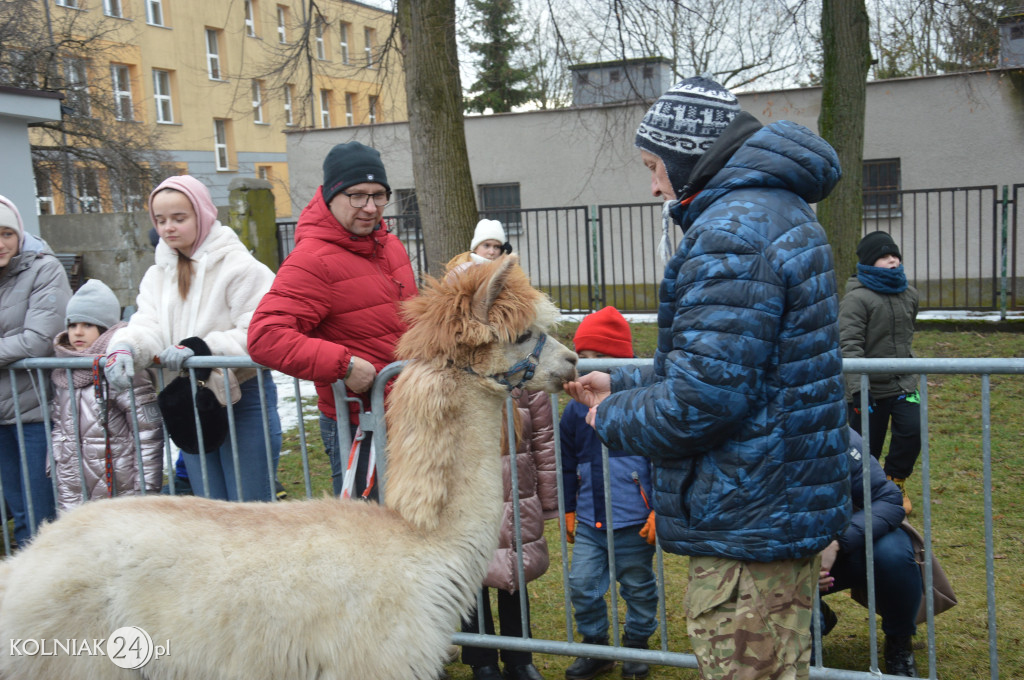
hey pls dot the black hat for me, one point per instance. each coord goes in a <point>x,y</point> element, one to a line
<point>349,164</point>
<point>875,245</point>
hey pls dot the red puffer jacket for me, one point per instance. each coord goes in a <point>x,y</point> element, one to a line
<point>336,295</point>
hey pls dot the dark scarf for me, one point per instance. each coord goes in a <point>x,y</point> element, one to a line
<point>882,280</point>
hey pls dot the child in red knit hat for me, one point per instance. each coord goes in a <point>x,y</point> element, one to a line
<point>606,333</point>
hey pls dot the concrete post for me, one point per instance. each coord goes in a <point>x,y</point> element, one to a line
<point>252,215</point>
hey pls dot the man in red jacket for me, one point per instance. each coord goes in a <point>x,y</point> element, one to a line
<point>333,310</point>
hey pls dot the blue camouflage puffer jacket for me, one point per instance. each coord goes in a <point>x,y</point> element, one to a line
<point>743,413</point>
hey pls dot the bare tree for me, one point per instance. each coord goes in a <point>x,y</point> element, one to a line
<point>97,138</point>
<point>847,54</point>
<point>440,161</point>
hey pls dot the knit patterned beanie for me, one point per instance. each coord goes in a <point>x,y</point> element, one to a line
<point>684,123</point>
<point>94,303</point>
<point>605,331</point>
<point>875,245</point>
<point>350,164</point>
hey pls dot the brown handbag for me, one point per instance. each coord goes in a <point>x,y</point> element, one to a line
<point>943,596</point>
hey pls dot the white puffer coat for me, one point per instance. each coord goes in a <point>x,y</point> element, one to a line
<point>228,284</point>
<point>91,434</point>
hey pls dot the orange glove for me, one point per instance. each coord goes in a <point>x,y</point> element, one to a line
<point>570,527</point>
<point>648,529</point>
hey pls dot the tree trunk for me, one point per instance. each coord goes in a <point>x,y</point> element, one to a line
<point>847,51</point>
<point>440,162</point>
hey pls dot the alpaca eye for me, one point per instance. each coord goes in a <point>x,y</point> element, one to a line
<point>524,337</point>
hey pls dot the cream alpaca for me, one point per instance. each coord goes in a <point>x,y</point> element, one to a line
<point>324,589</point>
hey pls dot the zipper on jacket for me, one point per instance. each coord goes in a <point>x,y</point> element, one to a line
<point>640,488</point>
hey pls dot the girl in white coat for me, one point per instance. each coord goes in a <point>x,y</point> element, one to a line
<point>205,284</point>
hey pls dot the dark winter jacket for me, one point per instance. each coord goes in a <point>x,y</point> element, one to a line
<point>877,325</point>
<point>743,412</point>
<point>886,501</point>
<point>583,475</point>
<point>336,295</point>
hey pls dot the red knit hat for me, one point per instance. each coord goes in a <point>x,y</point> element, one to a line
<point>605,331</point>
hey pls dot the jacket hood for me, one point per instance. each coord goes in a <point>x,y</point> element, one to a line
<point>19,223</point>
<point>31,247</point>
<point>316,221</point>
<point>783,155</point>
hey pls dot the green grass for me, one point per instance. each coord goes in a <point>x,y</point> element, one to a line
<point>955,449</point>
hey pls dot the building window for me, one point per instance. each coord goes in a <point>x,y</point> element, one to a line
<point>86,190</point>
<point>126,193</point>
<point>250,20</point>
<point>343,31</point>
<point>501,202</point>
<point>77,92</point>
<point>368,40</point>
<point>282,23</point>
<point>325,108</point>
<point>265,172</point>
<point>44,192</point>
<point>120,77</point>
<point>155,12</point>
<point>881,187</point>
<point>648,72</point>
<point>288,118</point>
<point>162,96</point>
<point>372,105</point>
<point>320,29</point>
<point>212,54</point>
<point>220,143</point>
<point>350,109</point>
<point>112,8</point>
<point>257,102</point>
<point>614,75</point>
<point>73,4</point>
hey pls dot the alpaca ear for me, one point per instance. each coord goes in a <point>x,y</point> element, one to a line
<point>485,296</point>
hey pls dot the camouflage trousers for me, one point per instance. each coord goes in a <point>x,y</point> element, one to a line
<point>751,620</point>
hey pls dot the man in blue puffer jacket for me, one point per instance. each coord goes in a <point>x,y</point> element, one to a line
<point>743,413</point>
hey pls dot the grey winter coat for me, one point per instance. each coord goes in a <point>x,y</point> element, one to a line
<point>538,495</point>
<point>34,294</point>
<point>875,325</point>
<point>91,434</point>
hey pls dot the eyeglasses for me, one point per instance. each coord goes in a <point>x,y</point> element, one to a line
<point>359,200</point>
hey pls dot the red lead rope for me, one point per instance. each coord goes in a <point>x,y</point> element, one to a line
<point>108,461</point>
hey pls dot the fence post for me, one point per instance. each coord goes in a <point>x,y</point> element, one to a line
<point>1003,254</point>
<point>252,215</point>
<point>597,292</point>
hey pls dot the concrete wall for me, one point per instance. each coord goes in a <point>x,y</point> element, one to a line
<point>947,131</point>
<point>19,108</point>
<point>115,247</point>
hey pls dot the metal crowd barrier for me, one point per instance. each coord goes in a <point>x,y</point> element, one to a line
<point>374,422</point>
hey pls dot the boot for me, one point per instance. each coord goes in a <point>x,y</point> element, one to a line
<point>526,671</point>
<point>634,670</point>
<point>899,656</point>
<point>585,668</point>
<point>488,672</point>
<point>902,483</point>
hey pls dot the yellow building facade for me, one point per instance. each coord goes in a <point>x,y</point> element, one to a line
<point>212,86</point>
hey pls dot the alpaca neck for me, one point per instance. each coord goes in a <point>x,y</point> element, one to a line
<point>444,458</point>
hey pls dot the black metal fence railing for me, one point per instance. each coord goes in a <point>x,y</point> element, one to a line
<point>962,248</point>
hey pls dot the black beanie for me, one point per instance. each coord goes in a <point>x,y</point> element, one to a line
<point>349,164</point>
<point>875,245</point>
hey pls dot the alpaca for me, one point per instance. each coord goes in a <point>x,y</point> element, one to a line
<point>326,589</point>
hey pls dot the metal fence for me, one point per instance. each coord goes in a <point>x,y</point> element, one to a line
<point>563,644</point>
<point>962,247</point>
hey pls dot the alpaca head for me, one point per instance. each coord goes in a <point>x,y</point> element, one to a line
<point>488,319</point>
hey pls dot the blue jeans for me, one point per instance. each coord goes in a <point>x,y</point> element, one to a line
<point>339,460</point>
<point>256,479</point>
<point>589,581</point>
<point>39,485</point>
<point>897,581</point>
